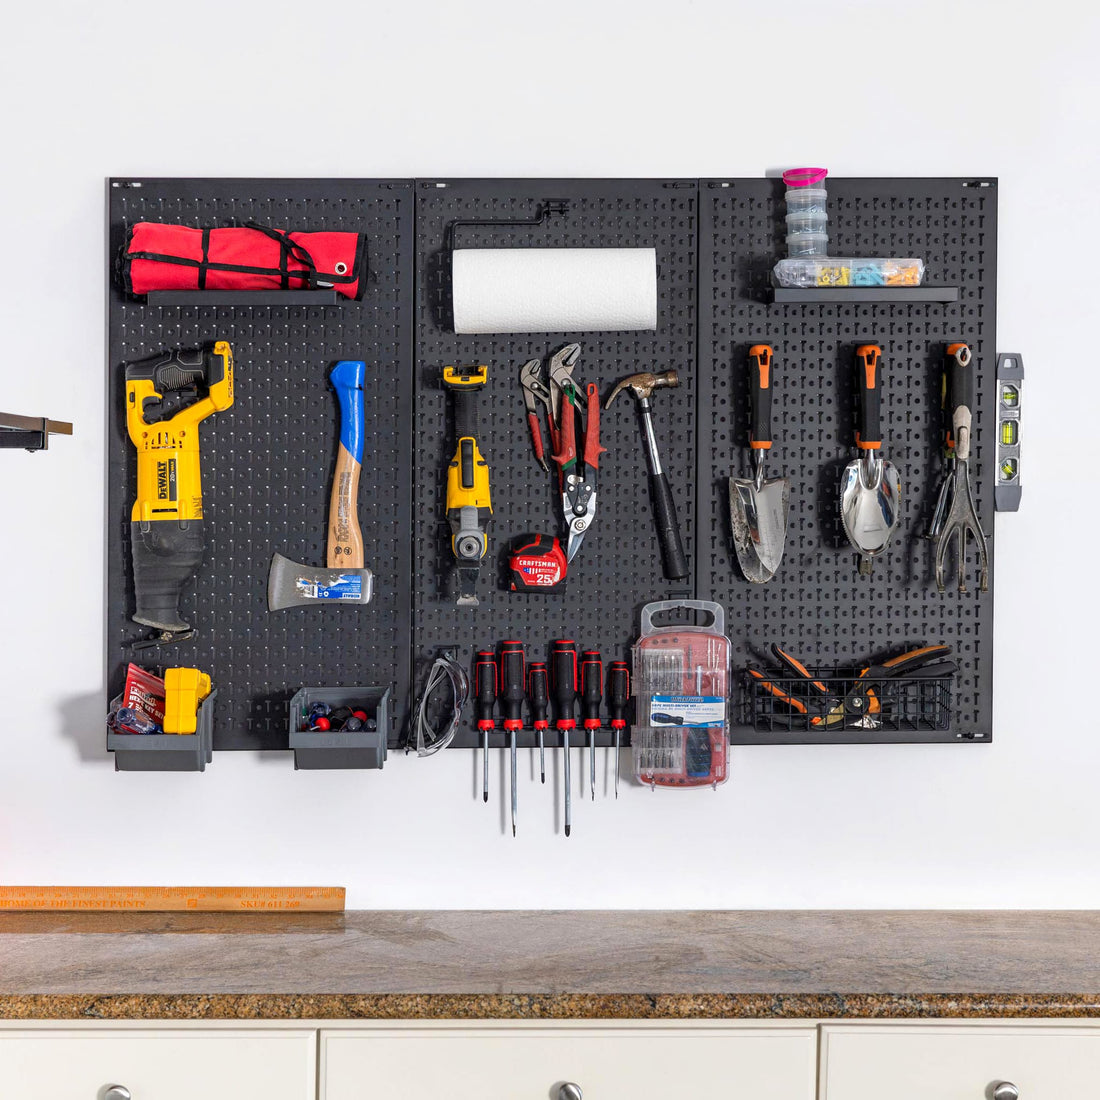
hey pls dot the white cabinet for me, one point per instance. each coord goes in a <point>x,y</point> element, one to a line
<point>161,1063</point>
<point>532,1060</point>
<point>607,1060</point>
<point>960,1061</point>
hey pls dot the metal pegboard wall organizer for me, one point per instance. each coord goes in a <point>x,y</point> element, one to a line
<point>618,568</point>
<point>267,461</point>
<point>817,606</point>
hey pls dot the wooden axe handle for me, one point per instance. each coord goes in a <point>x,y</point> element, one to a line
<point>345,539</point>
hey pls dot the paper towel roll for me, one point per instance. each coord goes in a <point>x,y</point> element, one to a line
<point>554,289</point>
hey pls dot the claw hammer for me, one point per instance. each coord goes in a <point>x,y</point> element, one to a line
<point>664,507</point>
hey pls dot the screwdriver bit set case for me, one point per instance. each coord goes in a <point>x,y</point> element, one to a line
<point>268,461</point>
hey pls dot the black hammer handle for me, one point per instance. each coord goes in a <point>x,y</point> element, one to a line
<point>668,529</point>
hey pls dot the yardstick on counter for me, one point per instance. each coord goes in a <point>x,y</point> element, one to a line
<point>172,899</point>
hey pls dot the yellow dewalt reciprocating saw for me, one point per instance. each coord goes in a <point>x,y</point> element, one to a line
<point>167,397</point>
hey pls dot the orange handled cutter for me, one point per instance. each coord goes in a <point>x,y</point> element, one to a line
<point>830,702</point>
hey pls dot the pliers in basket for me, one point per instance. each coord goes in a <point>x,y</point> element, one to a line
<point>925,663</point>
<point>854,700</point>
<point>800,690</point>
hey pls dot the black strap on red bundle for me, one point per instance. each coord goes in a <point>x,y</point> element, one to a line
<point>348,275</point>
<point>287,249</point>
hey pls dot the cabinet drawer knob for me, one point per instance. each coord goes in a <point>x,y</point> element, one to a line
<point>569,1091</point>
<point>1005,1090</point>
<point>117,1092</point>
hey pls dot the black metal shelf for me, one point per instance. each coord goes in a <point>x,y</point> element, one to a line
<point>242,298</point>
<point>784,295</point>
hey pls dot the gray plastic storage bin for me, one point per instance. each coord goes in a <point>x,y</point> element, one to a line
<point>167,752</point>
<point>354,749</point>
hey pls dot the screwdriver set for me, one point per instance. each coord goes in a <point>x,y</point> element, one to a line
<point>528,696</point>
<point>526,493</point>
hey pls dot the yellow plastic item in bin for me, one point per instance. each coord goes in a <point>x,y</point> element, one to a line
<point>184,689</point>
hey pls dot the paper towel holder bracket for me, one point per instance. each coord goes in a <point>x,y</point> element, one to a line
<point>548,208</point>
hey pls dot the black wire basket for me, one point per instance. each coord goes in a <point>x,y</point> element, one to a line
<point>783,703</point>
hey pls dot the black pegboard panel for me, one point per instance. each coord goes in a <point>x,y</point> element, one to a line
<point>267,461</point>
<point>817,606</point>
<point>618,568</point>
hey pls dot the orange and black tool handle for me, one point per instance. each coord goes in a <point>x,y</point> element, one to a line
<point>591,689</point>
<point>798,668</point>
<point>773,689</point>
<point>485,688</point>
<point>513,688</point>
<point>902,665</point>
<point>868,383</point>
<point>760,397</point>
<point>618,693</point>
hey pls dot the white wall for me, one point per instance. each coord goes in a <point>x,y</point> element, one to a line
<point>560,88</point>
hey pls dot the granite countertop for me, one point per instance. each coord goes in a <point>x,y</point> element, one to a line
<point>550,965</point>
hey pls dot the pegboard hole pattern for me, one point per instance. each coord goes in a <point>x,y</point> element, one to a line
<point>618,568</point>
<point>817,606</point>
<point>267,461</point>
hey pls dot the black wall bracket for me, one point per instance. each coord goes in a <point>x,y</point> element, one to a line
<point>32,433</point>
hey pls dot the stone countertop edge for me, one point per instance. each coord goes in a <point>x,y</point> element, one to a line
<point>510,964</point>
<point>547,1007</point>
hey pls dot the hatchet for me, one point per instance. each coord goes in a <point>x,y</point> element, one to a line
<point>345,580</point>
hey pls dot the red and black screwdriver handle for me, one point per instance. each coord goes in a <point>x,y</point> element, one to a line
<point>538,694</point>
<point>868,383</point>
<point>513,688</point>
<point>760,397</point>
<point>485,688</point>
<point>591,689</point>
<point>618,693</point>
<point>563,683</point>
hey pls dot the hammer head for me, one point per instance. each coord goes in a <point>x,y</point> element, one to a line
<point>290,584</point>
<point>642,385</point>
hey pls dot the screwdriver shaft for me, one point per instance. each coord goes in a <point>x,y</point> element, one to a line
<point>542,756</point>
<point>485,691</point>
<point>485,765</point>
<point>563,682</point>
<point>616,763</point>
<point>513,690</point>
<point>568,794</point>
<point>512,736</point>
<point>592,764</point>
